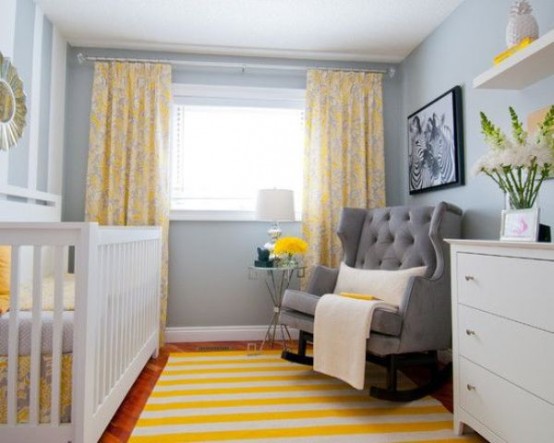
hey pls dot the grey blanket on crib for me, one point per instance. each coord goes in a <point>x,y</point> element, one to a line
<point>25,324</point>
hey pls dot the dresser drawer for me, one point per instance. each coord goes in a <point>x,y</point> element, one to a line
<point>508,411</point>
<point>510,349</point>
<point>517,288</point>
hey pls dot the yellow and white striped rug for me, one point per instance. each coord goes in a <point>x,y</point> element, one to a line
<point>234,397</point>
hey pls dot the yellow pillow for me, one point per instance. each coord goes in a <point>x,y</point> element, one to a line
<point>5,269</point>
<point>359,296</point>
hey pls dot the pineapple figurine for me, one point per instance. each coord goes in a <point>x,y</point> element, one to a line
<point>521,24</point>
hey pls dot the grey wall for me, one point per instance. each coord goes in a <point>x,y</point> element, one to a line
<point>208,273</point>
<point>461,49</point>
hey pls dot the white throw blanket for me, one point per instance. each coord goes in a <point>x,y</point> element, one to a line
<point>341,329</point>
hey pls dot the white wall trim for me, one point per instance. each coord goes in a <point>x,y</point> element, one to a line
<point>57,113</point>
<point>7,38</point>
<point>34,117</point>
<point>238,92</point>
<point>20,192</point>
<point>218,333</point>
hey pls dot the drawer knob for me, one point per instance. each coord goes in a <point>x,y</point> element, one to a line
<point>470,387</point>
<point>469,277</point>
<point>470,332</point>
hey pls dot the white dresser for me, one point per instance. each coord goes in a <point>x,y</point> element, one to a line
<point>503,339</point>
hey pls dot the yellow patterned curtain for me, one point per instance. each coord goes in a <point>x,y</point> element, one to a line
<point>127,178</point>
<point>344,156</point>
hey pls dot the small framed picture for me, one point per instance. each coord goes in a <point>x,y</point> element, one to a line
<point>520,224</point>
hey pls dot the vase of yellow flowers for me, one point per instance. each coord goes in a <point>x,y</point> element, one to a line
<point>287,249</point>
<point>518,165</point>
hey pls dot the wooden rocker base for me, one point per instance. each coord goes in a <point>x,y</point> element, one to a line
<point>438,379</point>
<point>300,357</point>
<point>392,363</point>
<point>296,358</point>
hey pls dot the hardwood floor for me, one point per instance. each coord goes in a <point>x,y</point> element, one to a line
<point>120,428</point>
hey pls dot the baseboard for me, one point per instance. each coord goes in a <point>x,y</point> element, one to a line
<point>219,333</point>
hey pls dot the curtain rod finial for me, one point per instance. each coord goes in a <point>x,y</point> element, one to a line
<point>81,58</point>
<point>391,72</point>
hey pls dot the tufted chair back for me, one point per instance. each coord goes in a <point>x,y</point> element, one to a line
<point>388,238</point>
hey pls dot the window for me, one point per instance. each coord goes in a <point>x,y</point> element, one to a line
<point>229,142</point>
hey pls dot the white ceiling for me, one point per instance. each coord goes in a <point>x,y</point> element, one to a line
<point>356,30</point>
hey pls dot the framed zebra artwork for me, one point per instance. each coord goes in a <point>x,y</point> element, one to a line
<point>435,144</point>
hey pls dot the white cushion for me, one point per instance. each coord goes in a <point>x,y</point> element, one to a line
<point>389,286</point>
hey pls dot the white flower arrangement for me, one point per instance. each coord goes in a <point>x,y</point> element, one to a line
<point>518,166</point>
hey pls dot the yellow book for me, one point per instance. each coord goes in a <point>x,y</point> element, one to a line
<point>358,296</point>
<point>511,51</point>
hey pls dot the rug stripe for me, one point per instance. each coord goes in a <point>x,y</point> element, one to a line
<point>289,415</point>
<point>180,381</point>
<point>305,400</point>
<point>243,409</point>
<point>231,397</point>
<point>257,389</point>
<point>313,431</point>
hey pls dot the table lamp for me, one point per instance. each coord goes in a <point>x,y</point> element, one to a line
<point>274,205</point>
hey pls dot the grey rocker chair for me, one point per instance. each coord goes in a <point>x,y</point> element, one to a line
<point>391,238</point>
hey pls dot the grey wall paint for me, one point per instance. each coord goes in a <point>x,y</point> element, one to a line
<point>459,50</point>
<point>209,283</point>
<point>208,273</point>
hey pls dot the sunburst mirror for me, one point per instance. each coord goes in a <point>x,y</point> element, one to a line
<point>13,110</point>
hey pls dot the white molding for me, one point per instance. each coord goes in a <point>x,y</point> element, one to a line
<point>7,37</point>
<point>18,191</point>
<point>57,113</point>
<point>238,92</point>
<point>219,333</point>
<point>34,117</point>
<point>217,215</point>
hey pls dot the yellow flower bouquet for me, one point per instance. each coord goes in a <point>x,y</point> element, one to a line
<point>287,247</point>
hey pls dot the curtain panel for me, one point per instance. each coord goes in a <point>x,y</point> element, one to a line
<point>127,177</point>
<point>343,158</point>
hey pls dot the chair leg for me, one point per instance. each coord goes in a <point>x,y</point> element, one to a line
<point>300,357</point>
<point>392,379</point>
<point>393,362</point>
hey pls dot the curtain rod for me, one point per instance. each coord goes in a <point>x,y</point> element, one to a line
<point>241,66</point>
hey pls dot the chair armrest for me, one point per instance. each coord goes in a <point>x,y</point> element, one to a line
<point>323,280</point>
<point>427,316</point>
<point>299,301</point>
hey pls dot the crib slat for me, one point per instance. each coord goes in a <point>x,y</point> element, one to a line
<point>105,323</point>
<point>99,340</point>
<point>57,333</point>
<point>117,351</point>
<point>36,332</point>
<point>146,301</point>
<point>124,313</point>
<point>113,321</point>
<point>13,345</point>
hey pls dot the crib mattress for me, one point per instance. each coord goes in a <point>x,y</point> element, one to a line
<point>25,326</point>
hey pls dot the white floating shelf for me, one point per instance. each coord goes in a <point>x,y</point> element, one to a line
<point>522,69</point>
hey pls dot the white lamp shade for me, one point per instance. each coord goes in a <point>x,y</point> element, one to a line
<point>275,205</point>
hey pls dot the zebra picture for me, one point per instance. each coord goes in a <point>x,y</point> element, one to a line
<point>435,144</point>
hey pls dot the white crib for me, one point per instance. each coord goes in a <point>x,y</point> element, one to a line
<point>115,321</point>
